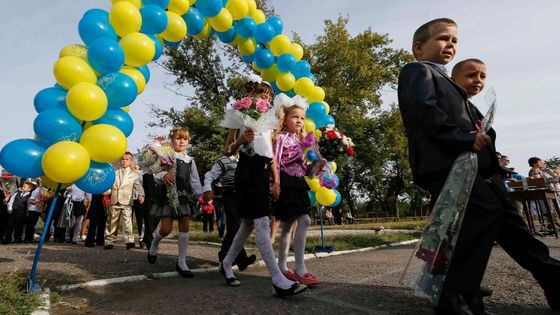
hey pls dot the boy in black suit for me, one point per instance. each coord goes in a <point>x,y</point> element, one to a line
<point>440,124</point>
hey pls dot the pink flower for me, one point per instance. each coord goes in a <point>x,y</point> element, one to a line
<point>243,103</point>
<point>262,105</point>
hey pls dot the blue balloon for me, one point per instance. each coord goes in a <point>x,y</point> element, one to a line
<point>312,77</point>
<point>229,35</point>
<point>329,120</point>
<point>311,155</point>
<point>264,33</point>
<point>248,59</point>
<point>275,88</point>
<point>157,44</point>
<point>337,200</point>
<point>172,44</point>
<point>246,27</point>
<point>118,118</point>
<point>209,8</point>
<point>94,26</point>
<point>319,122</point>
<point>60,87</point>
<point>290,93</point>
<point>264,58</point>
<point>301,69</point>
<point>286,62</point>
<point>50,98</point>
<point>224,3</point>
<point>312,198</point>
<point>276,24</point>
<point>22,157</point>
<point>194,20</point>
<point>120,89</point>
<point>98,178</point>
<point>160,3</point>
<point>97,13</point>
<point>154,19</point>
<point>145,72</point>
<point>105,55</point>
<point>52,126</point>
<point>316,110</point>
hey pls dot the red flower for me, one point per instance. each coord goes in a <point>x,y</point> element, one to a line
<point>350,151</point>
<point>331,134</point>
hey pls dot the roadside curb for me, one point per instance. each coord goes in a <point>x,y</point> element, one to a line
<point>44,309</point>
<point>172,274</point>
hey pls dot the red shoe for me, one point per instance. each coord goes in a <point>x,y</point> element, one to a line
<point>291,275</point>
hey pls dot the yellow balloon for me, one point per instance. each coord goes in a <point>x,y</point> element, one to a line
<point>247,46</point>
<point>296,50</point>
<point>86,101</point>
<point>137,3</point>
<point>313,183</point>
<point>325,196</point>
<point>179,6</point>
<point>191,2</point>
<point>105,143</point>
<point>136,76</point>
<point>222,22</point>
<point>125,18</point>
<point>138,48</point>
<point>65,161</point>
<point>70,70</point>
<point>270,74</point>
<point>238,8</point>
<point>318,95</point>
<point>285,81</point>
<point>279,45</point>
<point>327,107</point>
<point>304,87</point>
<point>205,31</point>
<point>258,16</point>
<point>333,166</point>
<point>252,5</point>
<point>318,133</point>
<point>308,123</point>
<point>126,108</point>
<point>176,28</point>
<point>75,50</point>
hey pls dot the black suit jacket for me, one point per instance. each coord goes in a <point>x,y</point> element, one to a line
<point>439,122</point>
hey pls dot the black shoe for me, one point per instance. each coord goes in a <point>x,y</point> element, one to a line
<point>89,245</point>
<point>232,282</point>
<point>129,245</point>
<point>141,244</point>
<point>476,305</point>
<point>108,246</point>
<point>296,288</point>
<point>452,303</point>
<point>74,242</point>
<point>485,292</point>
<point>152,258</point>
<point>184,273</point>
<point>5,242</point>
<point>242,265</point>
<point>553,299</point>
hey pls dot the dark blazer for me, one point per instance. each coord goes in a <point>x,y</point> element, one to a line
<point>439,121</point>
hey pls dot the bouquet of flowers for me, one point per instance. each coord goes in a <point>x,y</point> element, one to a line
<point>252,107</point>
<point>160,157</point>
<point>333,143</point>
<point>8,182</point>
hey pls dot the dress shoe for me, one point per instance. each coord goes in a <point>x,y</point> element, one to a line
<point>184,273</point>
<point>452,303</point>
<point>485,292</point>
<point>141,244</point>
<point>553,299</point>
<point>233,281</point>
<point>108,246</point>
<point>476,304</point>
<point>152,258</point>
<point>129,245</point>
<point>242,265</point>
<point>89,245</point>
<point>296,288</point>
<point>307,279</point>
<point>5,242</point>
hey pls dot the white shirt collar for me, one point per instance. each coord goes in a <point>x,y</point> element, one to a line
<point>438,65</point>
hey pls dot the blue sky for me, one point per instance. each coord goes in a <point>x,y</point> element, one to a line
<point>518,40</point>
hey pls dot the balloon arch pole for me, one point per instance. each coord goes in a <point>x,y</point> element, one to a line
<point>83,122</point>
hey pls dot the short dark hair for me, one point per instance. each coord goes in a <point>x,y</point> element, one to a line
<point>424,32</point>
<point>533,160</point>
<point>129,154</point>
<point>459,66</point>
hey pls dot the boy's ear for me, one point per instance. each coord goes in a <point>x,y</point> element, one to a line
<point>417,48</point>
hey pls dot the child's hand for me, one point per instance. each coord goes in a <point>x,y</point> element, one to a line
<point>275,190</point>
<point>480,142</point>
<point>207,196</point>
<point>169,178</point>
<point>248,135</point>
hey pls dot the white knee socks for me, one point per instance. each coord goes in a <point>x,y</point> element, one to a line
<point>283,252</point>
<point>262,232</point>
<point>183,246</point>
<point>155,243</point>
<point>245,229</point>
<point>299,242</point>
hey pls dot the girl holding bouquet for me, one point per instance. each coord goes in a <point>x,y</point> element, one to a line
<point>293,203</point>
<point>251,136</point>
<point>177,182</point>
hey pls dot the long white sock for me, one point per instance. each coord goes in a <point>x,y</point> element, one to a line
<point>183,246</point>
<point>284,251</point>
<point>245,229</point>
<point>262,233</point>
<point>299,242</point>
<point>155,243</point>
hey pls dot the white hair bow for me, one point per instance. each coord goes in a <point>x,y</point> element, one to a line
<point>254,78</point>
<point>283,100</point>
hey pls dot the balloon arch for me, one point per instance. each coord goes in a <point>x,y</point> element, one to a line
<point>83,122</point>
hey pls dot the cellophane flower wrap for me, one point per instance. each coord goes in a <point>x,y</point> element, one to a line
<point>334,143</point>
<point>256,114</point>
<point>160,157</point>
<point>8,182</point>
<point>427,267</point>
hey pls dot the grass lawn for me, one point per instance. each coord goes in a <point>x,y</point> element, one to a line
<point>13,295</point>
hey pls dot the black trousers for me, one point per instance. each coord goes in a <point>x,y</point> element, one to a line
<point>59,233</point>
<point>138,211</point>
<point>96,228</point>
<point>4,216</point>
<point>491,216</point>
<point>207,222</point>
<point>150,222</point>
<point>14,229</point>
<point>232,225</point>
<point>30,223</point>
